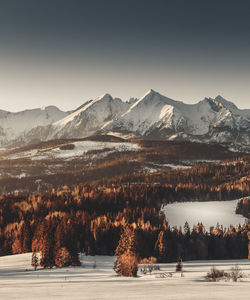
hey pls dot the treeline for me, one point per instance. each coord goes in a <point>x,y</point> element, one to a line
<point>243,207</point>
<point>90,219</point>
<point>230,172</point>
<point>168,244</point>
<point>174,245</point>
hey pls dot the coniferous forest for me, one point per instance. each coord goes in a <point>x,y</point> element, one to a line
<point>90,218</point>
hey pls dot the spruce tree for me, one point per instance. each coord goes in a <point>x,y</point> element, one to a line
<point>47,259</point>
<point>72,243</point>
<point>34,260</point>
<point>179,265</point>
<point>66,245</point>
<point>26,237</point>
<point>59,244</point>
<point>186,229</point>
<point>62,258</point>
<point>161,247</point>
<point>127,242</point>
<point>126,263</point>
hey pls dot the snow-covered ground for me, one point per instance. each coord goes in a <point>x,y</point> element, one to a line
<point>85,146</point>
<point>209,213</point>
<point>79,149</point>
<point>174,166</point>
<point>19,281</point>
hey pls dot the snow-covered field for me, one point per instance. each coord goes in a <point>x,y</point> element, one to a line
<point>79,149</point>
<point>209,213</point>
<point>85,146</point>
<point>19,281</point>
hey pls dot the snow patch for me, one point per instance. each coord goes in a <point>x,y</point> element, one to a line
<point>209,213</point>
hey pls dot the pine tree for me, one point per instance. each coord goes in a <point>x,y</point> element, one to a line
<point>127,242</point>
<point>34,260</point>
<point>47,259</point>
<point>179,265</point>
<point>59,244</point>
<point>186,229</point>
<point>62,258</point>
<point>161,247</point>
<point>26,237</point>
<point>66,245</point>
<point>72,243</point>
<point>126,263</point>
<point>73,248</point>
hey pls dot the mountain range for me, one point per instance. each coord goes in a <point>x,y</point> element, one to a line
<point>153,116</point>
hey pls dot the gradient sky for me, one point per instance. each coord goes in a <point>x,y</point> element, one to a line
<point>67,52</point>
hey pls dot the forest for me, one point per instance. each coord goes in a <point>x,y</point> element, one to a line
<point>243,208</point>
<point>105,166</point>
<point>90,218</point>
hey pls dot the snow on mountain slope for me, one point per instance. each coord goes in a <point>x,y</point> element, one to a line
<point>156,111</point>
<point>228,104</point>
<point>153,116</point>
<point>15,125</point>
<point>89,118</point>
<point>145,113</point>
<point>78,149</point>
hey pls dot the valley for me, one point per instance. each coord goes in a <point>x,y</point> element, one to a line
<point>44,165</point>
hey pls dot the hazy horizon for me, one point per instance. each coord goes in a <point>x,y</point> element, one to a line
<point>64,53</point>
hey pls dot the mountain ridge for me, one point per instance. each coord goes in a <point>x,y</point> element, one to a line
<point>153,116</point>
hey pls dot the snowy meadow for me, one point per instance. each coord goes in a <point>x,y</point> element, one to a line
<point>95,279</point>
<point>209,213</point>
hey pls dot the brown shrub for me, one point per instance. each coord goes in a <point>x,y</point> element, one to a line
<point>148,260</point>
<point>215,274</point>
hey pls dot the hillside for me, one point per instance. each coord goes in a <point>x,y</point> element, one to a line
<point>45,165</point>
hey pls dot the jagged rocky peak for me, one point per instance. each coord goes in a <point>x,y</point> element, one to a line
<point>152,115</point>
<point>212,103</point>
<point>154,98</point>
<point>225,103</point>
<point>105,97</point>
<point>150,94</point>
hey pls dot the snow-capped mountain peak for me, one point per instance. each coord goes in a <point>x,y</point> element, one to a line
<point>16,125</point>
<point>104,96</point>
<point>90,117</point>
<point>227,104</point>
<point>152,116</point>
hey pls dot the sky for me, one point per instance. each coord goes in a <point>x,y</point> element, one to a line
<point>63,53</point>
